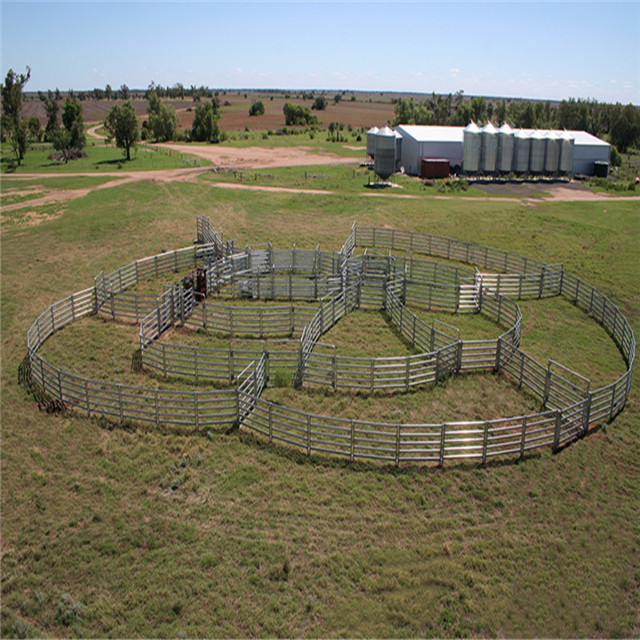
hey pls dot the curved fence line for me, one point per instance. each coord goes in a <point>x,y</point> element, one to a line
<point>572,407</point>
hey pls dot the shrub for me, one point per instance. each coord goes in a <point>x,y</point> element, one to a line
<point>282,378</point>
<point>257,109</point>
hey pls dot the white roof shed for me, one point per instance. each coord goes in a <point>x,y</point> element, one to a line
<point>423,141</point>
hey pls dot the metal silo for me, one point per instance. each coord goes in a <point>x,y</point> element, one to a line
<point>506,142</point>
<point>471,145</point>
<point>489,154</point>
<point>371,141</point>
<point>521,151</point>
<point>536,154</point>
<point>398,149</point>
<point>567,142</point>
<point>385,153</point>
<point>552,152</point>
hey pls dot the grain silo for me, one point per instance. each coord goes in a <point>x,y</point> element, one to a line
<point>521,151</point>
<point>371,141</point>
<point>536,153</point>
<point>471,146</point>
<point>489,153</point>
<point>567,147</point>
<point>552,152</point>
<point>385,153</point>
<point>506,143</point>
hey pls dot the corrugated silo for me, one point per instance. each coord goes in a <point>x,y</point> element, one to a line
<point>385,153</point>
<point>371,141</point>
<point>536,153</point>
<point>521,151</point>
<point>398,149</point>
<point>489,154</point>
<point>506,142</point>
<point>552,152</point>
<point>567,148</point>
<point>471,145</point>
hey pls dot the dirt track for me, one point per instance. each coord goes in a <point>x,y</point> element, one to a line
<point>260,158</point>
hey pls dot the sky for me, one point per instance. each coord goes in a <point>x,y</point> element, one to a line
<point>541,50</point>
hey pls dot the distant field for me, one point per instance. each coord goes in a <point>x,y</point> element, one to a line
<point>131,531</point>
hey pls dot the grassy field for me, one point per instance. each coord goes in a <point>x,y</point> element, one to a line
<point>101,157</point>
<point>134,532</point>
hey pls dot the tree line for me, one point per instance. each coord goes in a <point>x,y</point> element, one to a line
<point>620,124</point>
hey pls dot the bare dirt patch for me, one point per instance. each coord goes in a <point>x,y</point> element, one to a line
<point>258,157</point>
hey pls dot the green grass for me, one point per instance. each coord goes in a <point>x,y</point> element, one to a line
<point>338,179</point>
<point>100,158</point>
<point>134,532</point>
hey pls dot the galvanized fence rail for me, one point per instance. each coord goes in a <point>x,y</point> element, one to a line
<point>570,406</point>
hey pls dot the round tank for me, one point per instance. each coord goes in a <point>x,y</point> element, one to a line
<point>536,153</point>
<point>567,142</point>
<point>385,153</point>
<point>371,141</point>
<point>552,152</point>
<point>489,154</point>
<point>471,145</point>
<point>521,151</point>
<point>506,142</point>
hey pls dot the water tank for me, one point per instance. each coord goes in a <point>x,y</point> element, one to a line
<point>536,153</point>
<point>567,142</point>
<point>385,153</point>
<point>552,152</point>
<point>371,141</point>
<point>521,150</point>
<point>489,154</point>
<point>471,145</point>
<point>506,142</point>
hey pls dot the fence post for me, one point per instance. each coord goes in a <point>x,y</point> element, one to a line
<point>230,366</point>
<point>496,367</point>
<point>613,401</point>
<point>524,436</point>
<point>352,442</point>
<point>485,441</point>
<point>157,408</point>
<point>397,445</point>
<point>408,373</point>
<point>442,442</point>
<point>195,363</point>
<point>308,434</point>
<point>437,366</point>
<point>459,356</point>
<point>556,434</point>
<point>195,401</point>
<point>542,273</point>
<point>59,386</point>
<point>587,413</point>
<point>270,423</point>
<point>372,380</point>
<point>547,384</point>
<point>334,364</point>
<point>86,395</point>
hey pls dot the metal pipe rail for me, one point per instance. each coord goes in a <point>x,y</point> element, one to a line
<point>572,407</point>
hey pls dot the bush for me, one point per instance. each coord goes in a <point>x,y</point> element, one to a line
<point>319,104</point>
<point>616,158</point>
<point>257,109</point>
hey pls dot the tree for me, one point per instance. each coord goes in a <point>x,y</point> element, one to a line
<point>295,114</point>
<point>51,108</point>
<point>163,121</point>
<point>71,137</point>
<point>124,92</point>
<point>205,123</point>
<point>625,127</point>
<point>73,122</point>
<point>337,98</point>
<point>319,104</point>
<point>13,126</point>
<point>34,128</point>
<point>257,109</point>
<point>108,92</point>
<point>122,124</point>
